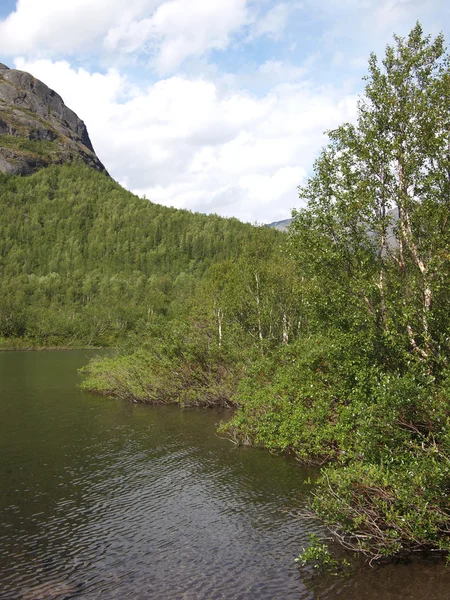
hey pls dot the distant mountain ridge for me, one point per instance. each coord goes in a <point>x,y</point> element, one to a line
<point>391,238</point>
<point>36,127</point>
<point>281,225</point>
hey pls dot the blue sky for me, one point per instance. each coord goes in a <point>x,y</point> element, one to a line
<point>212,105</point>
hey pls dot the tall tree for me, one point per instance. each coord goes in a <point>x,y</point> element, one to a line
<point>380,196</point>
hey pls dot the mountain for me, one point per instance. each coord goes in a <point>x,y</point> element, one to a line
<point>36,127</point>
<point>82,260</point>
<point>281,225</point>
<point>391,239</point>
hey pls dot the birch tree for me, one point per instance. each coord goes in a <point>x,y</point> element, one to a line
<point>380,195</point>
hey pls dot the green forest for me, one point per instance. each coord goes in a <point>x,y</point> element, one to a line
<point>332,342</point>
<point>84,262</point>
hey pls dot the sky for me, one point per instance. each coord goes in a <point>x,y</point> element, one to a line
<point>217,106</point>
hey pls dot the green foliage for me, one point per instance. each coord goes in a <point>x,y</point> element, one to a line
<point>342,331</point>
<point>288,401</point>
<point>41,148</point>
<point>180,362</point>
<point>318,555</point>
<point>365,387</point>
<point>83,261</point>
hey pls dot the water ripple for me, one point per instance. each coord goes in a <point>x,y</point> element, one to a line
<point>103,500</point>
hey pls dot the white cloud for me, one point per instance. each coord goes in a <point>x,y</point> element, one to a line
<point>273,22</point>
<point>239,137</point>
<point>179,29</point>
<point>50,26</point>
<point>390,13</point>
<point>187,143</point>
<point>169,31</point>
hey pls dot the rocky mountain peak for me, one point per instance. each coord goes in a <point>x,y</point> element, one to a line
<point>37,128</point>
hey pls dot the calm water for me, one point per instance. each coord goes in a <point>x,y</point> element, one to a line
<point>105,499</point>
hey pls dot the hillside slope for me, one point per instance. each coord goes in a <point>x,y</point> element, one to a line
<point>83,259</point>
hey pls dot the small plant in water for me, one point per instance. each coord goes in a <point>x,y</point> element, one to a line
<point>319,557</point>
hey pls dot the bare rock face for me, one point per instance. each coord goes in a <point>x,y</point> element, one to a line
<point>37,128</point>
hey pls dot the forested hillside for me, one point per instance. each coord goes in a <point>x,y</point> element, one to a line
<point>83,261</point>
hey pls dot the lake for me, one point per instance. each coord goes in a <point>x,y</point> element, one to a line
<point>106,499</point>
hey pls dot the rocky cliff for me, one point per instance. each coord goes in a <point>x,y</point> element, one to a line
<point>37,128</point>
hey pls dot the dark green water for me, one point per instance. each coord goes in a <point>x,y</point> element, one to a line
<point>105,499</point>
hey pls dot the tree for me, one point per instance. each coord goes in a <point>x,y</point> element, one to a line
<point>374,242</point>
<point>379,202</point>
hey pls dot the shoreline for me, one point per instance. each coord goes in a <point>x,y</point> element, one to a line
<point>18,348</point>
